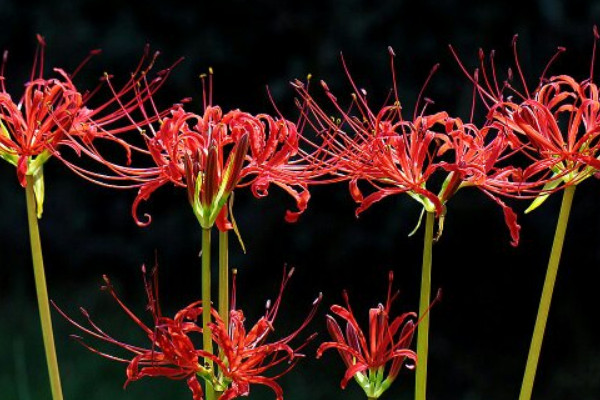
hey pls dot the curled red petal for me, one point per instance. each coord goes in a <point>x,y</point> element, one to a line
<point>195,387</point>
<point>510,218</point>
<point>144,193</point>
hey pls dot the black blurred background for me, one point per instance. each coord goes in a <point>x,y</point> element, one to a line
<point>480,332</point>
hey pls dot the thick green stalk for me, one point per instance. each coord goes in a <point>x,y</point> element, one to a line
<point>206,305</point>
<point>423,328</point>
<point>224,277</point>
<point>544,307</point>
<point>42,292</point>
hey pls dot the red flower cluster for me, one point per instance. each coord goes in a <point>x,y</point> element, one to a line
<point>556,125</point>
<point>395,155</point>
<point>245,356</point>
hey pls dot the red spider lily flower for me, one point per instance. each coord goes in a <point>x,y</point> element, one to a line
<point>247,356</point>
<point>394,155</point>
<point>52,113</point>
<point>478,155</point>
<point>569,154</point>
<point>368,359</point>
<point>557,124</point>
<point>171,353</point>
<point>31,128</point>
<point>210,155</point>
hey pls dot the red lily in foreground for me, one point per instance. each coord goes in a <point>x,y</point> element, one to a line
<point>247,356</point>
<point>368,360</point>
<point>171,353</point>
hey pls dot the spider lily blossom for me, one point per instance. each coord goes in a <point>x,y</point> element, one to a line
<point>557,124</point>
<point>171,353</point>
<point>392,154</point>
<point>477,155</point>
<point>209,154</point>
<point>569,155</point>
<point>383,352</point>
<point>53,113</point>
<point>247,355</point>
<point>31,128</point>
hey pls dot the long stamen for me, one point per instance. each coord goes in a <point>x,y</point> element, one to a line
<point>596,37</point>
<point>516,55</point>
<point>433,70</point>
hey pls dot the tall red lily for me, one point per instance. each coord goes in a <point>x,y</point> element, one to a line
<point>558,127</point>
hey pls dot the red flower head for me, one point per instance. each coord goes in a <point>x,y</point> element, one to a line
<point>31,129</point>
<point>53,113</point>
<point>247,356</point>
<point>477,157</point>
<point>210,155</point>
<point>171,352</point>
<point>384,351</point>
<point>557,124</point>
<point>394,155</point>
<point>244,356</point>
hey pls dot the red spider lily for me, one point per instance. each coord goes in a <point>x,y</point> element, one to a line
<point>393,154</point>
<point>478,153</point>
<point>31,128</point>
<point>557,124</point>
<point>53,113</point>
<point>210,155</point>
<point>367,359</point>
<point>396,155</point>
<point>247,356</point>
<point>171,352</point>
<point>569,154</point>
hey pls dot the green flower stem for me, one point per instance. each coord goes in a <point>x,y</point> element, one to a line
<point>423,328</point>
<point>42,292</point>
<point>206,304</point>
<point>544,307</point>
<point>224,277</point>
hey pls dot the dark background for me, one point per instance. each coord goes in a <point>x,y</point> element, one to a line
<point>480,331</point>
